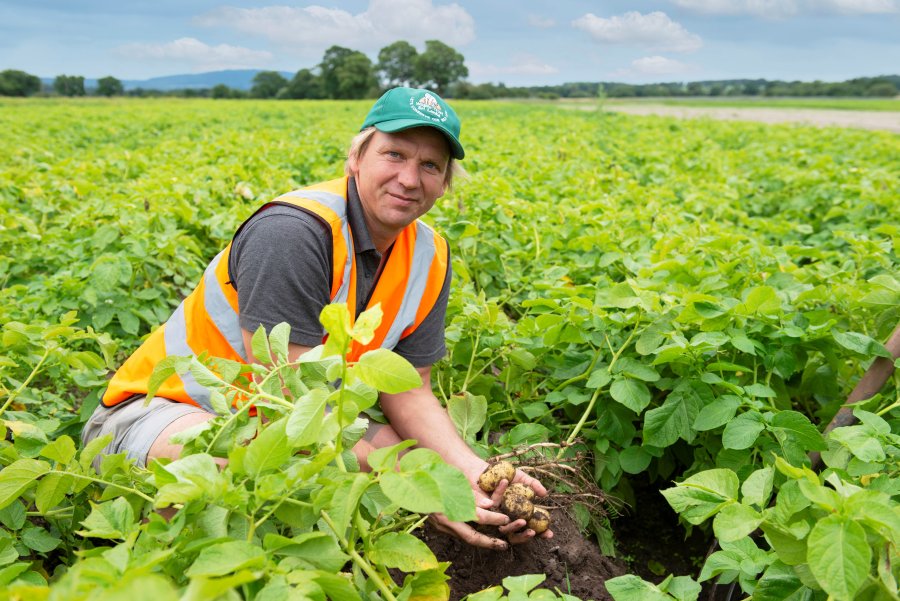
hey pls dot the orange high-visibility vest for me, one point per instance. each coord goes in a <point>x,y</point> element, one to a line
<point>207,320</point>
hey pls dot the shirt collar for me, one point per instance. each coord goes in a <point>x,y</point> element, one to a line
<point>356,219</point>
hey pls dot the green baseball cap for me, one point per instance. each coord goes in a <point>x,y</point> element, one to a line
<point>405,108</point>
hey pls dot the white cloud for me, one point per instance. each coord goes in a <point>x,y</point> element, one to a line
<point>653,67</point>
<point>522,65</point>
<point>541,22</point>
<point>201,56</point>
<point>789,8</point>
<point>314,28</point>
<point>654,30</point>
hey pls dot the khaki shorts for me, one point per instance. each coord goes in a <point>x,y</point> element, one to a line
<point>133,425</point>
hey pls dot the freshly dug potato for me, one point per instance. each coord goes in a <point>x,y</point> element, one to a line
<point>516,505</point>
<point>490,479</point>
<point>540,520</point>
<point>520,489</point>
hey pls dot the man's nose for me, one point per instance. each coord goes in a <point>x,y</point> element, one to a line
<point>409,175</point>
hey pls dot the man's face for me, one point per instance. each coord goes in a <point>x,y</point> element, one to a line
<point>399,177</point>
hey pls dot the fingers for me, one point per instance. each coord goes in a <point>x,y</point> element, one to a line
<point>491,518</point>
<point>467,534</point>
<point>533,483</point>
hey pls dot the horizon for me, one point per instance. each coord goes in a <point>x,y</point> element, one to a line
<point>644,42</point>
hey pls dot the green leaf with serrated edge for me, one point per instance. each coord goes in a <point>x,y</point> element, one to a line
<point>736,521</point>
<point>11,572</point>
<point>634,459</point>
<point>18,477</point>
<point>455,490</point>
<point>632,393</point>
<point>718,413</point>
<point>200,469</point>
<point>702,495</point>
<point>51,490</point>
<point>415,491</point>
<point>40,540</point>
<point>203,375</point>
<point>61,450</point>
<point>336,321</point>
<point>365,325</point>
<point>633,588</point>
<point>652,337</point>
<point>742,431</point>
<point>279,338</point>
<point>862,344</point>
<point>318,549</point>
<point>798,427</point>
<point>224,558</point>
<point>789,548</point>
<point>523,359</point>
<point>760,390</point>
<point>757,487</point>
<point>305,420</point>
<point>874,421</point>
<point>839,556</point>
<point>259,346</point>
<point>162,371</point>
<point>874,509</point>
<point>109,520</point>
<point>780,583</point>
<point>861,441</point>
<point>269,450</point>
<point>385,458</point>
<point>468,413</point>
<point>402,551</point>
<point>387,371</point>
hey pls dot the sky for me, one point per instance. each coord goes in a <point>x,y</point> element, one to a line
<point>525,42</point>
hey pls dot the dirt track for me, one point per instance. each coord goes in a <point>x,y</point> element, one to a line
<point>878,120</point>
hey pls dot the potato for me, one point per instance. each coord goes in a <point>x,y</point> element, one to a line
<point>516,506</point>
<point>520,489</point>
<point>540,520</point>
<point>490,479</point>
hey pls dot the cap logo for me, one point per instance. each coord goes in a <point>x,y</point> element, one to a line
<point>428,107</point>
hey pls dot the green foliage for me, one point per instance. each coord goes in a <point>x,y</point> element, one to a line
<point>18,83</point>
<point>397,64</point>
<point>69,85</point>
<point>109,86</point>
<point>439,66</point>
<point>267,84</point>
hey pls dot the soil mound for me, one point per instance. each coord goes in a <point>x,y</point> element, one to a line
<point>572,563</point>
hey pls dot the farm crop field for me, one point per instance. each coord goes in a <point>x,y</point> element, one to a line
<point>685,302</point>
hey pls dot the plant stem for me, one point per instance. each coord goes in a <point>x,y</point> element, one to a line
<point>471,360</point>
<point>364,565</point>
<point>100,481</point>
<point>22,386</point>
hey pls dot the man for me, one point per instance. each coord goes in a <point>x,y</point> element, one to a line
<point>356,240</point>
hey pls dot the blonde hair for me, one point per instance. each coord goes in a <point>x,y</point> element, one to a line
<point>360,142</point>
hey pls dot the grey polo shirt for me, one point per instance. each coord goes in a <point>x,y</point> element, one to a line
<point>281,264</point>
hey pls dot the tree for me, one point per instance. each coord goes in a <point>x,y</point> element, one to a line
<point>18,83</point>
<point>356,77</point>
<point>267,84</point>
<point>69,85</point>
<point>439,66</point>
<point>304,84</point>
<point>220,90</point>
<point>884,89</point>
<point>110,86</point>
<point>397,64</point>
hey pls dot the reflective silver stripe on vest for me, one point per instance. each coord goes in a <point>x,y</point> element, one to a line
<point>423,255</point>
<point>175,336</point>
<point>338,204</point>
<point>220,311</point>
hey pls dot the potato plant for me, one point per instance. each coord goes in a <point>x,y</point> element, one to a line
<point>677,297</point>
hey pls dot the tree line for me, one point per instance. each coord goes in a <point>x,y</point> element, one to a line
<point>344,73</point>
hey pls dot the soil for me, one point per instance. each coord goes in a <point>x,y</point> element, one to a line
<point>572,563</point>
<point>650,543</point>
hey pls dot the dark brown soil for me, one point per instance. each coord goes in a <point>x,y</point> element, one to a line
<point>572,563</point>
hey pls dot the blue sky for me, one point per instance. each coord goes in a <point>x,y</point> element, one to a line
<point>519,43</point>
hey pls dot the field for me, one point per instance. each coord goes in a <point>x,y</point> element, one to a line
<point>841,104</point>
<point>684,304</point>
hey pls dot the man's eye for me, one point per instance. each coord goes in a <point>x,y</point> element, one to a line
<point>393,154</point>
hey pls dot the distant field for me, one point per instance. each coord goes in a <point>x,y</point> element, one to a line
<point>852,104</point>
